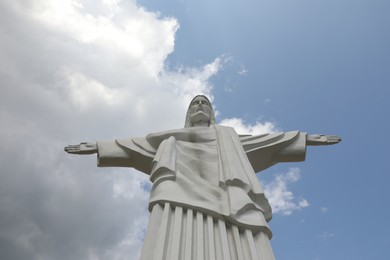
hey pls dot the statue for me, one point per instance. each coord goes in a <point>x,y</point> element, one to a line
<point>205,202</point>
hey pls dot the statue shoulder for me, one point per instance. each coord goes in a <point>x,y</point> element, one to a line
<point>138,144</point>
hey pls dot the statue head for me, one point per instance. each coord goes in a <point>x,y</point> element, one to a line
<point>200,112</point>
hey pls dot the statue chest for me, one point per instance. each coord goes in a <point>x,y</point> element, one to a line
<point>198,159</point>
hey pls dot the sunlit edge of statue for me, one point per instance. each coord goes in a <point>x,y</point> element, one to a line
<point>206,202</point>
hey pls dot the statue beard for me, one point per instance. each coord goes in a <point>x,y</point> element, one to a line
<point>200,117</point>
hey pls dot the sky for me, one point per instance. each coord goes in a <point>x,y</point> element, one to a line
<point>83,70</point>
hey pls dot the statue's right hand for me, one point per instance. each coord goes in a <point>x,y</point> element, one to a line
<point>82,148</point>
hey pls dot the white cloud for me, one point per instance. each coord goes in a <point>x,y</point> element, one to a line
<point>187,82</point>
<point>75,71</point>
<point>85,92</point>
<point>324,210</point>
<point>280,197</point>
<point>242,128</point>
<point>242,70</point>
<point>132,32</point>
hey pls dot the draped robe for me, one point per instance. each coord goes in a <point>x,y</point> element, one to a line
<point>208,171</point>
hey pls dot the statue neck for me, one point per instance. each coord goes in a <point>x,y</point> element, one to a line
<point>201,123</point>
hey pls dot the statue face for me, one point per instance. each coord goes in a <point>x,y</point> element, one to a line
<point>200,111</point>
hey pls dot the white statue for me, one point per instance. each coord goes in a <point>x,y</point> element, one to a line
<point>206,202</point>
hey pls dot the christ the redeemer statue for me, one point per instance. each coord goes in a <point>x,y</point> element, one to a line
<point>206,202</point>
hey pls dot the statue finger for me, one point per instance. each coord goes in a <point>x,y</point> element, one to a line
<point>333,139</point>
<point>72,148</point>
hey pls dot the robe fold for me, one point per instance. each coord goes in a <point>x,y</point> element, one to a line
<point>209,170</point>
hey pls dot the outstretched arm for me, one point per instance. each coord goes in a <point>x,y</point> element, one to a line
<point>82,148</point>
<point>322,139</point>
<point>116,153</point>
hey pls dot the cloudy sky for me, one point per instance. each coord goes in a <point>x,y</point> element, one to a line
<point>83,70</point>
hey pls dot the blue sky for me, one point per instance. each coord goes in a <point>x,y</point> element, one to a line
<point>316,66</point>
<point>76,71</point>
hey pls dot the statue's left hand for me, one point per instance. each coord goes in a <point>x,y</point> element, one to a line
<point>82,148</point>
<point>322,139</point>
